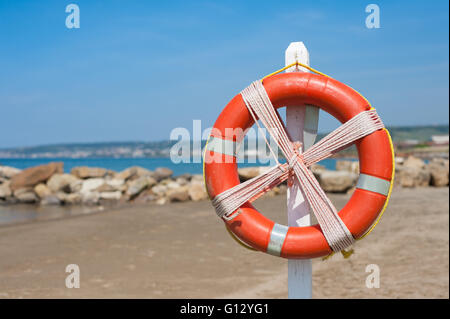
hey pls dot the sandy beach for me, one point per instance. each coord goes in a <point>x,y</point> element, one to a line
<point>182,250</point>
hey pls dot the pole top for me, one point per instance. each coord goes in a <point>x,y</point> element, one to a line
<point>296,52</point>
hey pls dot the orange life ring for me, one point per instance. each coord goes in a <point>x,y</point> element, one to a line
<point>374,151</point>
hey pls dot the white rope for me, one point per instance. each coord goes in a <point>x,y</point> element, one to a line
<point>335,231</point>
<point>259,105</point>
<point>228,202</point>
<point>357,127</point>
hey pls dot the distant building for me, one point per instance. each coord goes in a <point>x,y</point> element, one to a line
<point>410,142</point>
<point>406,143</point>
<point>439,139</point>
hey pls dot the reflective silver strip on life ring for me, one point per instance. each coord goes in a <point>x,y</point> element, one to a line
<point>219,145</point>
<point>277,237</point>
<point>373,184</point>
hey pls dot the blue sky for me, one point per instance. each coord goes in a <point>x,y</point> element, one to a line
<point>137,69</point>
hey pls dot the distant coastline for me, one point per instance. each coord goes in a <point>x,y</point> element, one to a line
<point>117,156</point>
<point>418,135</point>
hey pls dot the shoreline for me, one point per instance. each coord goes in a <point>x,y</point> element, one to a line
<point>49,185</point>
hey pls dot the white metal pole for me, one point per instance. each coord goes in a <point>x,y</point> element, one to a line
<point>301,124</point>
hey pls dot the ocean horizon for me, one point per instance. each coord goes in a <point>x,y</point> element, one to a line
<point>119,164</point>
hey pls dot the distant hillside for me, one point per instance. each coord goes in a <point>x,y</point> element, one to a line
<point>162,148</point>
<point>420,133</point>
<point>104,149</point>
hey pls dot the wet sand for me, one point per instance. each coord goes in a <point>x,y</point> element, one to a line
<point>183,251</point>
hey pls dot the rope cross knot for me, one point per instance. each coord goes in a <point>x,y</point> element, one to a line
<point>296,156</point>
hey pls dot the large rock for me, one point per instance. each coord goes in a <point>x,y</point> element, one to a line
<point>140,171</point>
<point>112,185</point>
<point>138,185</point>
<point>5,190</point>
<point>337,181</point>
<point>161,201</point>
<point>42,190</point>
<point>90,198</point>
<point>173,185</point>
<point>438,169</point>
<point>408,176</point>
<point>412,173</point>
<point>399,160</point>
<point>165,181</point>
<point>181,181</point>
<point>25,195</point>
<point>180,194</point>
<point>72,199</point>
<point>414,162</point>
<point>197,178</point>
<point>50,200</point>
<point>162,173</point>
<point>126,174</point>
<point>348,166</point>
<point>63,198</point>
<point>317,168</point>
<point>61,182</point>
<point>116,183</point>
<point>105,188</point>
<point>110,173</point>
<point>115,196</point>
<point>8,171</point>
<point>185,176</point>
<point>247,173</point>
<point>145,197</point>
<point>280,189</point>
<point>75,187</point>
<point>443,161</point>
<point>85,172</point>
<point>89,185</point>
<point>197,191</point>
<point>159,190</point>
<point>35,175</point>
<point>133,173</point>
